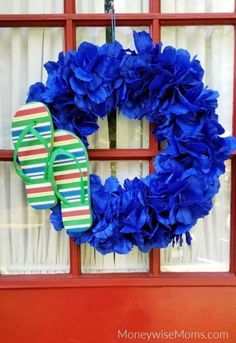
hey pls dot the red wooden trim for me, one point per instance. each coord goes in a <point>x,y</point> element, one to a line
<point>6,155</point>
<point>74,259</point>
<point>106,154</point>
<point>154,258</point>
<point>118,280</point>
<point>70,36</point>
<point>155,262</point>
<point>103,22</point>
<point>102,154</point>
<point>233,218</point>
<point>32,20</point>
<point>121,154</point>
<point>155,6</point>
<point>233,177</point>
<point>152,139</point>
<point>122,18</point>
<point>155,31</point>
<point>234,85</point>
<point>69,6</point>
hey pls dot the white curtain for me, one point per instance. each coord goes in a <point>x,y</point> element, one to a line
<point>27,242</point>
<point>191,6</point>
<point>31,6</point>
<point>120,6</point>
<point>213,45</point>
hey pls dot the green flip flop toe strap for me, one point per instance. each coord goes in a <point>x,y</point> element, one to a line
<point>18,168</point>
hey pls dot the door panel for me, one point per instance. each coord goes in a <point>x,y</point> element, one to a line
<point>101,314</point>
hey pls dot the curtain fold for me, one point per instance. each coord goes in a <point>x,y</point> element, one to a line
<point>121,6</point>
<point>197,6</point>
<point>31,6</point>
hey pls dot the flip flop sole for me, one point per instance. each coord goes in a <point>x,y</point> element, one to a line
<point>32,154</point>
<point>76,214</point>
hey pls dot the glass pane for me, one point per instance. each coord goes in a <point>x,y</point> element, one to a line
<point>121,169</point>
<point>101,35</point>
<point>120,6</point>
<point>91,260</point>
<point>214,47</point>
<point>28,245</point>
<point>115,130</point>
<point>31,6</point>
<point>23,53</point>
<point>209,251</point>
<point>191,6</point>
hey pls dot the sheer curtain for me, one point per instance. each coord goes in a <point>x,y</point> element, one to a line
<point>120,6</point>
<point>27,242</point>
<point>29,6</point>
<point>185,6</point>
<point>213,45</point>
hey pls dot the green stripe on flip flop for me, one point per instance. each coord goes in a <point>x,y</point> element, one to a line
<point>25,122</point>
<point>70,152</point>
<point>32,133</point>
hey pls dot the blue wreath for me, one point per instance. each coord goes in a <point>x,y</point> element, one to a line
<point>166,87</point>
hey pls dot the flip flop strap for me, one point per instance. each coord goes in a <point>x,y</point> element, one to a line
<point>55,153</point>
<point>18,168</point>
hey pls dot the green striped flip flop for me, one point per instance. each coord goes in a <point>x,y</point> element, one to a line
<point>32,135</point>
<point>69,172</point>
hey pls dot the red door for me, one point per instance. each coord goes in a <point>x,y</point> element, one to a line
<point>52,292</point>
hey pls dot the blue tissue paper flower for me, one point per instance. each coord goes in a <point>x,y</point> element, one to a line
<point>166,87</point>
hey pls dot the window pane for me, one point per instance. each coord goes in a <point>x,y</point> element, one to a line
<point>28,245</point>
<point>31,6</point>
<point>23,53</point>
<point>120,6</point>
<point>116,130</point>
<point>101,35</point>
<point>191,6</point>
<point>94,262</point>
<point>214,47</point>
<point>209,251</point>
<point>121,169</point>
<point>91,260</point>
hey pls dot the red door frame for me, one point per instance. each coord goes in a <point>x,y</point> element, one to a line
<point>156,289</point>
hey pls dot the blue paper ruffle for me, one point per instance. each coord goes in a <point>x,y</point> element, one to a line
<point>166,87</point>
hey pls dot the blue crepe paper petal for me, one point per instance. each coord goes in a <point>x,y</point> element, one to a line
<point>165,87</point>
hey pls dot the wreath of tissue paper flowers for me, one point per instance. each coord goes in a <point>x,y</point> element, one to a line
<point>166,87</point>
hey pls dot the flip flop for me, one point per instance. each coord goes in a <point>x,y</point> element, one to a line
<point>69,172</point>
<point>32,135</point>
